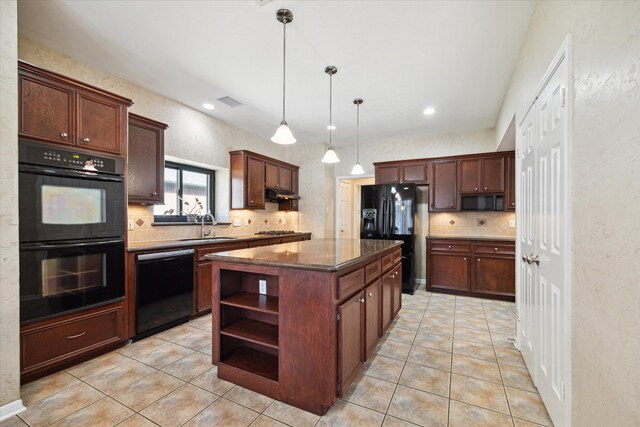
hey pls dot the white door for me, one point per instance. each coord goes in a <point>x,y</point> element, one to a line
<point>527,296</point>
<point>543,243</point>
<point>548,258</point>
<point>346,213</point>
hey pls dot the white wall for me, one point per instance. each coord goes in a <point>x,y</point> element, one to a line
<point>605,194</point>
<point>9,255</point>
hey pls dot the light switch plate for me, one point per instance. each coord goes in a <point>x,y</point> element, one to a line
<point>512,223</point>
<point>130,224</point>
<point>236,222</point>
<point>263,286</point>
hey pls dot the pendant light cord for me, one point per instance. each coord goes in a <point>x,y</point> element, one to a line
<point>284,69</point>
<point>330,109</point>
<point>358,134</point>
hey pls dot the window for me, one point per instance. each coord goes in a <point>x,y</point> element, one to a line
<point>187,189</point>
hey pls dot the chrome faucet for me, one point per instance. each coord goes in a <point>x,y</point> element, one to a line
<point>213,222</point>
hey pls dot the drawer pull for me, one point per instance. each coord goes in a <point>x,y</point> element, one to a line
<point>75,336</point>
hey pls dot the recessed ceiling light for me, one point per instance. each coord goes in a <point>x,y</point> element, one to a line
<point>429,111</point>
<point>331,127</point>
<point>208,106</point>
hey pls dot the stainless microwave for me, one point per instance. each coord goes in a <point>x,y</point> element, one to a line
<point>492,202</point>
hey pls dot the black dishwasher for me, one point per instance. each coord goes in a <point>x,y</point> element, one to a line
<point>164,290</point>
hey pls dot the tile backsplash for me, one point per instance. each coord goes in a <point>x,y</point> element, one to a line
<point>260,220</point>
<point>487,223</point>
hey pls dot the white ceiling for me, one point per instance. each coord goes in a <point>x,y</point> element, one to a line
<point>400,56</point>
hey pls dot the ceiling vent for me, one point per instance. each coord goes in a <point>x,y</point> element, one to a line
<point>229,101</point>
<point>262,2</point>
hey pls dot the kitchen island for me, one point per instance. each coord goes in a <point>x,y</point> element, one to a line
<point>296,321</point>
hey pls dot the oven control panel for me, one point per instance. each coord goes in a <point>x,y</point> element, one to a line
<point>40,154</point>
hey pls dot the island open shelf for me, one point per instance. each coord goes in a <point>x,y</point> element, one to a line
<point>296,321</point>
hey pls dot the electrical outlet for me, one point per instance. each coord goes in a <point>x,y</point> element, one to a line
<point>512,223</point>
<point>263,286</point>
<point>236,222</point>
<point>130,224</point>
<point>284,221</point>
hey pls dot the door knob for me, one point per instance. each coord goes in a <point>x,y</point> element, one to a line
<point>526,259</point>
<point>535,259</point>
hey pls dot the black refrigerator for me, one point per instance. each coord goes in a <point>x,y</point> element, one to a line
<point>388,213</point>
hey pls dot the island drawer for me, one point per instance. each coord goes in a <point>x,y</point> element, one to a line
<point>387,262</point>
<point>450,246</point>
<point>373,270</point>
<point>495,248</point>
<point>397,256</point>
<point>350,282</point>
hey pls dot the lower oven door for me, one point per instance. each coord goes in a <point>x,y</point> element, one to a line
<point>61,204</point>
<point>61,277</point>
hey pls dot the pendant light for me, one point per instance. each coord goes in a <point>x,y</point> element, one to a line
<point>283,134</point>
<point>330,156</point>
<point>357,168</point>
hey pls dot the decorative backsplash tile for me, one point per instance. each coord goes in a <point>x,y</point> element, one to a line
<point>490,224</point>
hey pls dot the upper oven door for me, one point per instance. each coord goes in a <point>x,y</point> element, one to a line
<point>62,204</point>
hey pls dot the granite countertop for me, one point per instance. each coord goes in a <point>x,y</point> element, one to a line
<point>222,240</point>
<point>459,237</point>
<point>319,254</point>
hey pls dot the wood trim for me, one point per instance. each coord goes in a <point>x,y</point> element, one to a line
<point>265,158</point>
<point>458,157</point>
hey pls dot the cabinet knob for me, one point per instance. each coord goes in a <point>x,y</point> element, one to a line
<point>154,194</point>
<point>449,246</point>
<point>361,300</point>
<point>370,294</point>
<point>485,188</point>
<point>512,204</point>
<point>86,140</point>
<point>476,188</point>
<point>465,258</point>
<point>495,249</point>
<point>451,205</point>
<point>250,201</point>
<point>478,259</point>
<point>64,135</point>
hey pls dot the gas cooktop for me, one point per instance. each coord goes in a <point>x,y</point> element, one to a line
<point>276,232</point>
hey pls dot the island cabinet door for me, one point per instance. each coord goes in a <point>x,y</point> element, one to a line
<point>387,300</point>
<point>372,315</point>
<point>204,280</point>
<point>350,340</point>
<point>397,289</point>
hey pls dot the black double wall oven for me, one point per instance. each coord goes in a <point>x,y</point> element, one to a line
<point>72,208</point>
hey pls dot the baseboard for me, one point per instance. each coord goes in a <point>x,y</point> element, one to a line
<point>421,281</point>
<point>11,409</point>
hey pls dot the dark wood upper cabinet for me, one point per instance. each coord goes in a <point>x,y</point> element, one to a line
<point>255,183</point>
<point>145,180</point>
<point>492,174</point>
<point>284,178</point>
<point>415,173</point>
<point>443,189</point>
<point>469,175</point>
<point>55,108</point>
<point>252,173</point>
<point>350,339</point>
<point>388,174</point>
<point>510,190</point>
<point>47,110</point>
<point>271,173</point>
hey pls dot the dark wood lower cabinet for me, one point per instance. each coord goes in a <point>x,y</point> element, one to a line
<point>386,299</point>
<point>350,339</point>
<point>397,289</point>
<point>484,268</point>
<point>204,277</point>
<point>372,298</point>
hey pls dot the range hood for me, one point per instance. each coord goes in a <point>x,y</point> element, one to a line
<point>276,195</point>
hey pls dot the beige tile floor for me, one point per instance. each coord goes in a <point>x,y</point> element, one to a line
<point>445,361</point>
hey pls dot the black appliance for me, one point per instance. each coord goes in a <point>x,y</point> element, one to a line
<point>71,230</point>
<point>388,213</point>
<point>493,202</point>
<point>164,290</point>
<point>278,195</point>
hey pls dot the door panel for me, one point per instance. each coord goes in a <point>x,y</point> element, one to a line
<point>372,297</point>
<point>99,123</point>
<point>443,187</point>
<point>492,175</point>
<point>469,175</point>
<point>397,289</point>
<point>284,178</point>
<point>449,271</point>
<point>145,181</point>
<point>204,282</point>
<point>346,210</point>
<point>414,172</point>
<point>495,275</point>
<point>271,175</point>
<point>255,183</point>
<point>46,111</point>
<point>386,300</point>
<point>388,174</point>
<point>350,339</point>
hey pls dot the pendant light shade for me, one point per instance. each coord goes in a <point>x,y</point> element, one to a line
<point>357,168</point>
<point>283,134</point>
<point>330,156</point>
